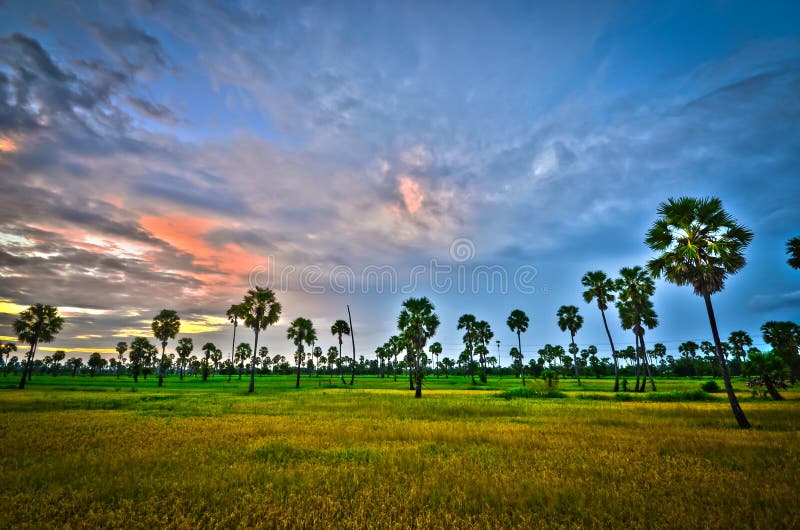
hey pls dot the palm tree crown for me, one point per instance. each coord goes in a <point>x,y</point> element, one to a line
<point>417,321</point>
<point>699,243</point>
<point>38,323</point>
<point>166,325</point>
<point>598,286</point>
<point>569,319</point>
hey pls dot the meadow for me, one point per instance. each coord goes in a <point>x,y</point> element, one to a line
<point>103,452</point>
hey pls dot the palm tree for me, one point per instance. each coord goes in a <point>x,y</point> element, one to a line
<point>739,341</point>
<point>483,334</point>
<point>216,357</point>
<point>569,319</point>
<point>647,317</point>
<point>121,348</point>
<point>301,331</point>
<point>5,351</point>
<point>436,349</point>
<point>635,287</point>
<point>417,323</point>
<point>262,310</point>
<point>600,287</point>
<point>689,350</point>
<point>793,250</point>
<point>165,326</point>
<point>339,328</point>
<point>467,323</point>
<point>209,348</point>
<point>518,323</point>
<point>316,352</point>
<point>784,337</point>
<point>700,244</point>
<point>353,342</point>
<point>58,356</point>
<point>333,354</point>
<point>235,313</point>
<point>184,351</point>
<point>139,350</point>
<point>38,323</point>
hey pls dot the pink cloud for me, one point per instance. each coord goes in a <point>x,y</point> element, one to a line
<point>412,194</point>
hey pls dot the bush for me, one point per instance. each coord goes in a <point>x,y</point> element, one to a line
<point>711,387</point>
<point>525,392</point>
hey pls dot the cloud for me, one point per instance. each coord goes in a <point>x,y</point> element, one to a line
<point>764,303</point>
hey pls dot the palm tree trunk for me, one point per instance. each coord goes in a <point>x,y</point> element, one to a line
<point>252,387</point>
<point>648,371</point>
<point>161,364</point>
<point>418,372</point>
<point>471,364</point>
<point>394,368</point>
<point>738,413</point>
<point>25,368</point>
<point>341,374</point>
<point>233,341</point>
<point>299,361</point>
<point>613,352</point>
<point>519,345</point>
<point>353,340</point>
<point>575,359</point>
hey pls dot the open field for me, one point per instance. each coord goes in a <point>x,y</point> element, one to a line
<point>81,452</point>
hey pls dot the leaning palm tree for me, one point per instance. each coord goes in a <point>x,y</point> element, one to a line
<point>301,332</point>
<point>793,250</point>
<point>600,287</point>
<point>467,323</point>
<point>165,326</point>
<point>38,323</point>
<point>235,314</point>
<point>700,244</point>
<point>569,319</point>
<point>518,323</point>
<point>417,322</point>
<point>261,310</point>
<point>339,328</point>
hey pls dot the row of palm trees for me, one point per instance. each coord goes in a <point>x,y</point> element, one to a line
<point>697,243</point>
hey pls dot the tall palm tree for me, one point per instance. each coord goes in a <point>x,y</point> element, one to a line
<point>417,322</point>
<point>396,345</point>
<point>739,341</point>
<point>700,244</point>
<point>518,323</point>
<point>184,351</point>
<point>647,318</point>
<point>635,287</point>
<point>339,328</point>
<point>601,288</point>
<point>793,250</point>
<point>353,342</point>
<point>236,313</point>
<point>333,354</point>
<point>436,349</point>
<point>38,323</point>
<point>262,310</point>
<point>570,319</point>
<point>467,323</point>
<point>483,334</point>
<point>301,332</point>
<point>165,326</point>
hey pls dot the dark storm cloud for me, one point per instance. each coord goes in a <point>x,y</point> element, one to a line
<point>131,48</point>
<point>202,190</point>
<point>152,110</point>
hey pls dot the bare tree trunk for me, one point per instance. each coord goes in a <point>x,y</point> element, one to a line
<point>738,413</point>
<point>519,344</point>
<point>613,353</point>
<point>252,387</point>
<point>353,340</point>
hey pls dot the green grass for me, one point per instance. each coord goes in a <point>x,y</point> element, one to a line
<point>102,452</point>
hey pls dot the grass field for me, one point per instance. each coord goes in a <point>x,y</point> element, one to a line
<point>81,452</point>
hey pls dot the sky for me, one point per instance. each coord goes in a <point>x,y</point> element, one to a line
<point>484,154</point>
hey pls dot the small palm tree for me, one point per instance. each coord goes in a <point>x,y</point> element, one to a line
<point>700,244</point>
<point>261,311</point>
<point>301,332</point>
<point>339,328</point>
<point>236,313</point>
<point>601,288</point>
<point>793,250</point>
<point>569,319</point>
<point>165,326</point>
<point>436,349</point>
<point>38,323</point>
<point>418,323</point>
<point>518,323</point>
<point>5,353</point>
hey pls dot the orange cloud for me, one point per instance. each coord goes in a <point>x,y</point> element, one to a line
<point>412,194</point>
<point>229,263</point>
<point>7,145</point>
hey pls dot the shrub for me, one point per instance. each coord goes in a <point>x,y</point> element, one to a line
<point>711,387</point>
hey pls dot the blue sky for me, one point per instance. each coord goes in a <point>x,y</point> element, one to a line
<point>165,154</point>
